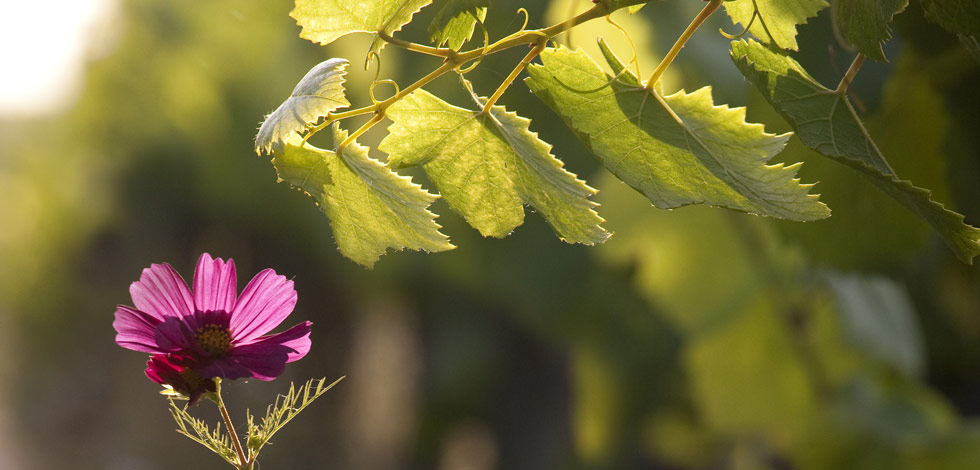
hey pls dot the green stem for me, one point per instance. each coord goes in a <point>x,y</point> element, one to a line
<point>380,107</point>
<point>454,59</point>
<point>513,76</point>
<point>243,462</point>
<point>681,41</point>
<point>415,47</point>
<point>849,75</point>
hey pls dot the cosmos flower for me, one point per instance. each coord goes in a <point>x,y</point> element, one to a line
<point>211,329</point>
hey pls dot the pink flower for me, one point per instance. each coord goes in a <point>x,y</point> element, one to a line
<point>218,332</point>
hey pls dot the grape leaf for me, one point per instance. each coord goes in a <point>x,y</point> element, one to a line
<point>323,21</point>
<point>957,16</point>
<point>971,44</point>
<point>827,123</point>
<point>777,18</point>
<point>319,92</point>
<point>864,23</point>
<point>455,20</point>
<point>487,166</point>
<point>677,150</point>
<point>623,74</point>
<point>370,207</point>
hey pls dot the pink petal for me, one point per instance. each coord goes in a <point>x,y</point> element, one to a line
<point>136,330</point>
<point>266,358</point>
<point>296,340</point>
<point>162,293</point>
<point>226,368</point>
<point>266,301</point>
<point>215,284</point>
<point>174,334</point>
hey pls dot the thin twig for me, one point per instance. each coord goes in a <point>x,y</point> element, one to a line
<point>710,8</point>
<point>849,75</point>
<point>513,76</point>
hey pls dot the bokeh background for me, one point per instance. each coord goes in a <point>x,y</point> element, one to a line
<point>693,339</point>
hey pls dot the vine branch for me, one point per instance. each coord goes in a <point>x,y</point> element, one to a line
<point>849,75</point>
<point>706,12</point>
<point>513,76</point>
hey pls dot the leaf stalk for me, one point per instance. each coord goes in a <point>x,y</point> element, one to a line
<point>513,76</point>
<point>705,13</point>
<point>845,82</point>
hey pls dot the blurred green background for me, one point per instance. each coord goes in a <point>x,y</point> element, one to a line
<point>696,338</point>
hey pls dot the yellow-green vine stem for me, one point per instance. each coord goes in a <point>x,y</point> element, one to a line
<point>706,12</point>
<point>849,75</point>
<point>415,47</point>
<point>452,60</point>
<point>513,76</point>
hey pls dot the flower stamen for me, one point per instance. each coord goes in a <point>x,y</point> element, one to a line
<point>214,339</point>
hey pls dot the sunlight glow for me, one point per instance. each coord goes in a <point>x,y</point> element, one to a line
<point>43,47</point>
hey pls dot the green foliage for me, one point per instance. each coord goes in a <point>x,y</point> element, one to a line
<point>748,377</point>
<point>864,23</point>
<point>320,92</point>
<point>281,412</point>
<point>878,319</point>
<point>487,165</point>
<point>455,20</point>
<point>370,207</point>
<point>197,430</point>
<point>324,21</point>
<point>774,21</point>
<point>677,150</point>
<point>827,123</point>
<point>956,16</point>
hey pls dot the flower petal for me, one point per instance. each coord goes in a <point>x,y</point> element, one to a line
<point>264,359</point>
<point>266,301</point>
<point>215,284</point>
<point>228,368</point>
<point>296,340</point>
<point>162,293</point>
<point>174,334</point>
<point>136,330</point>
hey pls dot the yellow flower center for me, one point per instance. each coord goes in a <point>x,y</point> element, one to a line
<point>214,339</point>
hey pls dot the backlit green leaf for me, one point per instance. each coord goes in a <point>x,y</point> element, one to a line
<point>827,123</point>
<point>455,20</point>
<point>323,21</point>
<point>319,92</point>
<point>957,16</point>
<point>677,150</point>
<point>777,19</point>
<point>864,23</point>
<point>370,207</point>
<point>487,166</point>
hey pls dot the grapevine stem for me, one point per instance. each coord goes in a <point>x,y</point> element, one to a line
<point>849,75</point>
<point>243,462</point>
<point>434,51</point>
<point>682,40</point>
<point>379,108</point>
<point>513,76</point>
<point>454,59</point>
